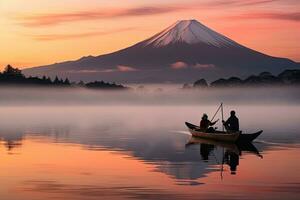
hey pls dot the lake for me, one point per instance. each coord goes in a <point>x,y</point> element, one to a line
<point>66,145</point>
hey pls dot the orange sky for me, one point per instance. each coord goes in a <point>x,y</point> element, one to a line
<point>38,32</point>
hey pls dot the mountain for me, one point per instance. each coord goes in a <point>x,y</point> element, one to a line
<point>184,52</point>
<point>189,32</point>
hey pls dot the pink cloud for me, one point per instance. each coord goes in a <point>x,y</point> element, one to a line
<point>51,37</point>
<point>179,65</point>
<point>93,71</point>
<point>119,68</point>
<point>124,68</point>
<point>49,19</point>
<point>237,2</point>
<point>203,66</point>
<point>282,15</point>
<point>36,20</point>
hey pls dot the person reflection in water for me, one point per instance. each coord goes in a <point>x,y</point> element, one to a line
<point>205,150</point>
<point>232,159</point>
<point>232,123</point>
<point>205,124</point>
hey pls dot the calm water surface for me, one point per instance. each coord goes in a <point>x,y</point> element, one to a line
<point>145,152</point>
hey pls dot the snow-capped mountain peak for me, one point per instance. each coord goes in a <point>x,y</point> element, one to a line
<point>190,32</point>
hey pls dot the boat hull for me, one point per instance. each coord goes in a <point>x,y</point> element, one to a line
<point>248,137</point>
<point>226,137</point>
<point>222,136</point>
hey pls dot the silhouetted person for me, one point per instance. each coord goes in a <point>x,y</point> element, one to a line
<point>205,124</point>
<point>205,150</point>
<point>232,159</point>
<point>232,123</point>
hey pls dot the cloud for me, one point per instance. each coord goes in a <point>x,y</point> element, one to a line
<point>49,19</point>
<point>119,68</point>
<point>291,16</point>
<point>179,65</point>
<point>92,71</point>
<point>203,66</point>
<point>38,20</point>
<point>49,37</point>
<point>237,2</point>
<point>124,68</point>
<point>183,65</point>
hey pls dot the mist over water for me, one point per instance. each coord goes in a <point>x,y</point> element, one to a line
<point>83,144</point>
<point>274,110</point>
<point>149,95</point>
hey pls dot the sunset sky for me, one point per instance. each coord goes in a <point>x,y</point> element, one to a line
<point>39,32</point>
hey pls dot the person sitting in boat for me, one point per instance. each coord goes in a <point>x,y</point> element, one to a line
<point>232,123</point>
<point>205,124</point>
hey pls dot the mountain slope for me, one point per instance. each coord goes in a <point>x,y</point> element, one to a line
<point>183,52</point>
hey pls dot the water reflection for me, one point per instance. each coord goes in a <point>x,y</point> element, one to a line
<point>56,167</point>
<point>91,152</point>
<point>230,152</point>
<point>165,150</point>
<point>12,140</point>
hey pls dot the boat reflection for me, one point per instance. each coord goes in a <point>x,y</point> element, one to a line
<point>11,140</point>
<point>231,152</point>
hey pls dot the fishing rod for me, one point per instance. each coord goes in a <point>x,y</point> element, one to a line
<point>216,112</point>
<point>222,113</point>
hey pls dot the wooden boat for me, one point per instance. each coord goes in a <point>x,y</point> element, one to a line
<point>221,135</point>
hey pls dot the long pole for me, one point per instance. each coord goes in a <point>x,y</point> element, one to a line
<point>222,164</point>
<point>216,112</point>
<point>223,147</point>
<point>222,116</point>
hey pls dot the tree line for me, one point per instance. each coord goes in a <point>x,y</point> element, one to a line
<point>14,76</point>
<point>286,78</point>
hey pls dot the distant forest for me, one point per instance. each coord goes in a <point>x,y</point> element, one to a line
<point>286,78</point>
<point>13,77</point>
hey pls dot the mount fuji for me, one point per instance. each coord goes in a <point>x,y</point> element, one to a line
<point>184,52</point>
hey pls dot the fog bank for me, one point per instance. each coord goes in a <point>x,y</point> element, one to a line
<point>148,95</point>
